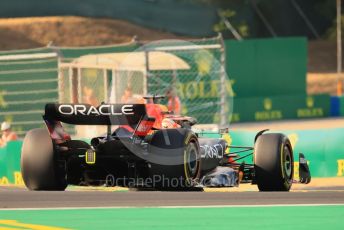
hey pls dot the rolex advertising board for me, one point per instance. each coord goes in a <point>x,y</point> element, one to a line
<point>280,108</point>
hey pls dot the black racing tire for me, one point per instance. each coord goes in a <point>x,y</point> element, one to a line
<point>273,162</point>
<point>184,149</point>
<point>38,162</point>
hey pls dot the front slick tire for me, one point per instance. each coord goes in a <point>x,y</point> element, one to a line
<point>273,162</point>
<point>38,162</point>
<point>180,159</point>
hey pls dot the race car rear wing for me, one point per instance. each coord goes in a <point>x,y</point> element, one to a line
<point>104,114</point>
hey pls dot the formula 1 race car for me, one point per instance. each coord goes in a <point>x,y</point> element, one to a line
<point>149,148</point>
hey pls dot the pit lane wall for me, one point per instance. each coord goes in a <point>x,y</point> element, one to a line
<point>324,150</point>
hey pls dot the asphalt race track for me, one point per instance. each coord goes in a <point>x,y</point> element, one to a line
<point>21,198</point>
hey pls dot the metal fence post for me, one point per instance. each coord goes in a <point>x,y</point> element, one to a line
<point>223,114</point>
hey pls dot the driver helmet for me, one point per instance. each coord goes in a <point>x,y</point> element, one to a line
<point>168,123</point>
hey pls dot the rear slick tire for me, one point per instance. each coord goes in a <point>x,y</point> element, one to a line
<point>185,150</point>
<point>38,162</point>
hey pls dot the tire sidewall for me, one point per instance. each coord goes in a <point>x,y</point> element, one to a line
<point>269,155</point>
<point>184,142</point>
<point>287,178</point>
<point>192,164</point>
<point>38,162</point>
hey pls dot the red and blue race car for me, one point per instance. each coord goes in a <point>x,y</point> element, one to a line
<point>146,146</point>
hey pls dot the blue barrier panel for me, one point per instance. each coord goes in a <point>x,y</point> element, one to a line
<point>335,107</point>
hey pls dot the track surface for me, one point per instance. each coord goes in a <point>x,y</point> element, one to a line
<point>308,209</point>
<point>21,198</point>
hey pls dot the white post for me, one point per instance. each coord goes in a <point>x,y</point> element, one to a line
<point>339,40</point>
<point>106,85</point>
<point>113,96</point>
<point>61,85</point>
<point>79,86</point>
<point>223,114</point>
<point>146,72</point>
<point>70,77</point>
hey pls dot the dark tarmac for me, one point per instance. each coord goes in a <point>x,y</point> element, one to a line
<point>11,197</point>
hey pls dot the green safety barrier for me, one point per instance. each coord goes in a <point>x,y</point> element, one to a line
<point>25,87</point>
<point>324,150</point>
<point>341,106</point>
<point>280,107</point>
<point>267,67</point>
<point>10,164</point>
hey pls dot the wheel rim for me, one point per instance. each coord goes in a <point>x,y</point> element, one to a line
<point>192,161</point>
<point>287,162</point>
